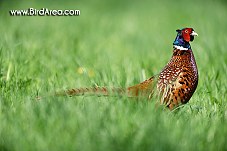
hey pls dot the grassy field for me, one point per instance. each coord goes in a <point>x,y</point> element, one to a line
<point>112,43</point>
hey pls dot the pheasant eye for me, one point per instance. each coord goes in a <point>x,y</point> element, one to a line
<point>186,31</point>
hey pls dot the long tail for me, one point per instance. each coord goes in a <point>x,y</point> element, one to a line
<point>144,89</point>
<point>99,91</point>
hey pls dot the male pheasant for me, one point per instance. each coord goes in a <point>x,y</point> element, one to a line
<point>175,84</point>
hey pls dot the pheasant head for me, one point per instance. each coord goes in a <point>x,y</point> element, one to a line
<point>184,36</point>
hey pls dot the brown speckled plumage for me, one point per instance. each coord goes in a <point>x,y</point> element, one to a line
<point>175,84</point>
<point>178,80</point>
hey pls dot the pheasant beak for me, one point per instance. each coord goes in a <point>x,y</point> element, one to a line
<point>194,33</point>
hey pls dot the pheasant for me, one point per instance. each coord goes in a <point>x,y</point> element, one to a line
<point>174,85</point>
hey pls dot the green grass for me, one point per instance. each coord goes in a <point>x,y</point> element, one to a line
<point>114,41</point>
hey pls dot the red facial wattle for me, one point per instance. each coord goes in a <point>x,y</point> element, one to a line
<point>186,33</point>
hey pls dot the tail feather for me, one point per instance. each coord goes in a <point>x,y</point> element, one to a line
<point>144,89</point>
<point>99,91</point>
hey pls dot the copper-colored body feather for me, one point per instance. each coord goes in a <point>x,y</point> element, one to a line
<point>178,80</point>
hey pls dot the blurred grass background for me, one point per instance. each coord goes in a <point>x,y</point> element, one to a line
<point>112,43</point>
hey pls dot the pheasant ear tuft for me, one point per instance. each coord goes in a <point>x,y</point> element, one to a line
<point>178,30</point>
